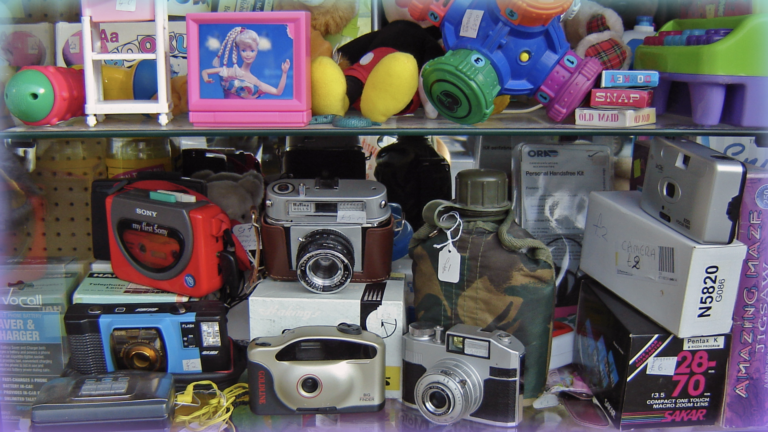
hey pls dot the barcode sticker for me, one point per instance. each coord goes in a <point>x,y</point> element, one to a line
<point>666,259</point>
<point>126,5</point>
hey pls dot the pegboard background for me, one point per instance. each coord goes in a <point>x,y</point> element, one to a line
<point>65,169</point>
<point>51,11</point>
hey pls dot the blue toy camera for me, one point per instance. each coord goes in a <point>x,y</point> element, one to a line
<point>156,337</point>
<point>503,47</point>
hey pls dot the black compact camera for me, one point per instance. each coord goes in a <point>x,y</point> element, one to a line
<point>180,338</point>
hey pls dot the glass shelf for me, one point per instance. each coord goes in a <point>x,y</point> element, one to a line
<point>507,124</point>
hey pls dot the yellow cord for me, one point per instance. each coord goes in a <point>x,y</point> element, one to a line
<point>212,410</point>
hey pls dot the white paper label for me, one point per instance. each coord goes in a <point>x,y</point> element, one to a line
<point>449,262</point>
<point>704,343</point>
<point>476,348</point>
<point>192,365</point>
<point>350,216</point>
<point>662,366</point>
<point>246,234</point>
<point>32,45</point>
<point>74,44</point>
<point>126,5</point>
<point>470,24</point>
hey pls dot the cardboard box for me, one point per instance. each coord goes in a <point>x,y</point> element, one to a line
<point>33,346</point>
<point>26,45</point>
<point>746,393</point>
<point>275,306</point>
<point>640,374</point>
<point>124,37</point>
<point>106,288</point>
<point>664,274</point>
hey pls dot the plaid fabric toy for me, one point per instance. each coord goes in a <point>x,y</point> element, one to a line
<point>596,31</point>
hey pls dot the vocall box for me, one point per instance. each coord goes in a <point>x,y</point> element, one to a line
<point>377,307</point>
<point>642,375</point>
<point>687,287</point>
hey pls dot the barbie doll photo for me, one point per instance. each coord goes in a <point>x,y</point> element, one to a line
<point>246,62</point>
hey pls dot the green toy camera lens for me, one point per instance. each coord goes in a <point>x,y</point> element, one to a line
<point>462,86</point>
<point>29,96</point>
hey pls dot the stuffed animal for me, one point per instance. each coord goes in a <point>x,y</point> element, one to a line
<point>328,17</point>
<point>383,78</point>
<point>236,194</point>
<point>596,31</point>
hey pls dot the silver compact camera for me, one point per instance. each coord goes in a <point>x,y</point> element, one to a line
<point>327,233</point>
<point>694,190</point>
<point>317,370</point>
<point>465,373</point>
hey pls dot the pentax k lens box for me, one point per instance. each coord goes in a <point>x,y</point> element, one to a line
<point>642,375</point>
<point>377,307</point>
<point>687,287</point>
<point>33,351</point>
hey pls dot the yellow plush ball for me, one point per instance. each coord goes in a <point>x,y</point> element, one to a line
<point>329,88</point>
<point>390,87</point>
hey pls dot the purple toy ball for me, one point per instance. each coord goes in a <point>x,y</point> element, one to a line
<point>72,51</point>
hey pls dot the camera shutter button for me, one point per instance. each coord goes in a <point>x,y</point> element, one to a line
<point>505,337</point>
<point>351,329</point>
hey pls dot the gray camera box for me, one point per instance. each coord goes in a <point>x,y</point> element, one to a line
<point>378,307</point>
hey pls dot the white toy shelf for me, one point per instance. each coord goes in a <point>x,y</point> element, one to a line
<point>98,11</point>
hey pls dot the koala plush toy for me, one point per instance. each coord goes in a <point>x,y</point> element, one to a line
<point>236,194</point>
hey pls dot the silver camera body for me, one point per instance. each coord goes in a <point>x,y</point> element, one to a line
<point>317,370</point>
<point>326,224</point>
<point>694,190</point>
<point>467,373</point>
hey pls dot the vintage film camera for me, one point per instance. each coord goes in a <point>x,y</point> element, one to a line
<point>327,233</point>
<point>694,190</point>
<point>472,374</point>
<point>317,370</point>
<point>173,241</point>
<point>178,338</point>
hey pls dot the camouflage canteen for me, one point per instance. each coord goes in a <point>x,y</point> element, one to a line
<point>506,277</point>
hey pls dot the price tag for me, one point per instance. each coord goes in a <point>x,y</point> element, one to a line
<point>74,44</point>
<point>126,5</point>
<point>449,261</point>
<point>247,236</point>
<point>470,24</point>
<point>350,216</point>
<point>32,45</point>
<point>662,366</point>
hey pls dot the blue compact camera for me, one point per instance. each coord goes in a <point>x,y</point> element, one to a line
<point>155,337</point>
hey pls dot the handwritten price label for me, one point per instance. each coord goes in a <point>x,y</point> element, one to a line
<point>126,5</point>
<point>245,233</point>
<point>449,261</point>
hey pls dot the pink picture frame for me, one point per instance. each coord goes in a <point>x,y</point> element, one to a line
<point>249,69</point>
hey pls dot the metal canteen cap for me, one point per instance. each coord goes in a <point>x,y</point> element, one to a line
<point>482,189</point>
<point>461,85</point>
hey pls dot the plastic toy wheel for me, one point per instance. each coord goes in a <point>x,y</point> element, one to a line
<point>533,13</point>
<point>91,120</point>
<point>164,118</point>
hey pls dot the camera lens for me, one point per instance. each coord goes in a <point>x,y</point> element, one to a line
<point>310,385</point>
<point>670,190</point>
<point>139,349</point>
<point>325,261</point>
<point>437,401</point>
<point>448,392</point>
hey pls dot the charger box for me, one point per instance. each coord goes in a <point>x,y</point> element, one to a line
<point>33,349</point>
<point>687,287</point>
<point>378,307</point>
<point>642,375</point>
